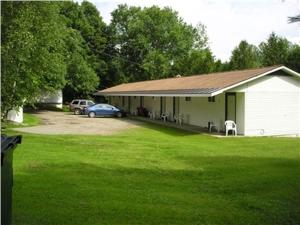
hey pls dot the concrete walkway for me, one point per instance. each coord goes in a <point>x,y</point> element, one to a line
<point>186,127</point>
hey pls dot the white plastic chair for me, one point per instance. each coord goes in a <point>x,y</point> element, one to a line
<point>212,125</point>
<point>164,116</point>
<point>230,125</point>
<point>179,119</point>
<point>153,114</point>
<point>150,114</point>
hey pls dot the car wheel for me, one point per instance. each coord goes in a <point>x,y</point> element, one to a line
<point>77,111</point>
<point>92,114</point>
<point>119,114</point>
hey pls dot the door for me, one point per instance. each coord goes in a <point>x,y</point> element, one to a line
<point>230,106</point>
<point>175,106</point>
<point>141,101</point>
<point>129,104</point>
<point>99,110</point>
<point>107,110</point>
<point>163,105</point>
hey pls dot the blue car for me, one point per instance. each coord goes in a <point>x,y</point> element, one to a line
<point>103,110</point>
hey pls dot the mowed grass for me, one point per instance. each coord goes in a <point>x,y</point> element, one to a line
<point>28,121</point>
<point>156,175</point>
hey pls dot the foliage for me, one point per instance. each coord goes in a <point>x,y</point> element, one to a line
<point>85,42</point>
<point>199,62</point>
<point>294,19</point>
<point>32,52</point>
<point>81,78</point>
<point>293,59</point>
<point>152,43</point>
<point>275,50</point>
<point>245,56</point>
<point>156,175</point>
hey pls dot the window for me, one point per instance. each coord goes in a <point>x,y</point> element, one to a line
<point>90,103</point>
<point>75,102</point>
<point>100,106</point>
<point>82,103</point>
<point>211,99</point>
<point>106,107</point>
<point>188,99</point>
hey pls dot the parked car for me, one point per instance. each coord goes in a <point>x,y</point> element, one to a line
<point>78,106</point>
<point>103,110</point>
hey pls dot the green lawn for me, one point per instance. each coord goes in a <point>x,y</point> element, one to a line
<point>156,175</point>
<point>28,121</point>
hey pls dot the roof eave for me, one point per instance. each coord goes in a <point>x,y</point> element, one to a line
<point>213,93</point>
<point>285,69</point>
<point>153,95</point>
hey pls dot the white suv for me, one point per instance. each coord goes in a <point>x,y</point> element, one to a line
<point>78,106</point>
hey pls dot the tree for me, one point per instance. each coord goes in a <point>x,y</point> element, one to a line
<point>293,59</point>
<point>244,56</point>
<point>32,52</point>
<point>152,43</point>
<point>84,43</point>
<point>294,19</point>
<point>95,37</point>
<point>81,85</point>
<point>198,62</point>
<point>275,50</point>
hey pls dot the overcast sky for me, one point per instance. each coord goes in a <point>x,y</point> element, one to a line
<point>227,21</point>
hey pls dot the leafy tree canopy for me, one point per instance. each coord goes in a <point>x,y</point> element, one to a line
<point>85,43</point>
<point>32,52</point>
<point>245,56</point>
<point>275,50</point>
<point>152,43</point>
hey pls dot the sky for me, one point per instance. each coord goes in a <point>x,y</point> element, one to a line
<point>227,21</point>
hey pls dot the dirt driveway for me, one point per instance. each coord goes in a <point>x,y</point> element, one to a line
<point>67,123</point>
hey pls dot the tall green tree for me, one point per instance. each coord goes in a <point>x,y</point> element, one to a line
<point>95,37</point>
<point>275,50</point>
<point>198,62</point>
<point>152,43</point>
<point>32,52</point>
<point>293,59</point>
<point>245,56</point>
<point>84,43</point>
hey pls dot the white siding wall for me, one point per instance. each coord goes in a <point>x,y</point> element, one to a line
<point>152,104</point>
<point>240,113</point>
<point>199,111</point>
<point>54,99</point>
<point>15,115</point>
<point>272,106</point>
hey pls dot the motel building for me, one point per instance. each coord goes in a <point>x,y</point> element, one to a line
<point>261,102</point>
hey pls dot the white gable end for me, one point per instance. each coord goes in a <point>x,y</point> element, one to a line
<point>272,105</point>
<point>271,83</point>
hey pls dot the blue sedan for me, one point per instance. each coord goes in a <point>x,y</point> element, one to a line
<point>103,110</point>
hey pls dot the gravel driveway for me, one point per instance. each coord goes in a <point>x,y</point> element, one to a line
<point>67,123</point>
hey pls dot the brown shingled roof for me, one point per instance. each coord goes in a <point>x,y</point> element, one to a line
<point>196,84</point>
